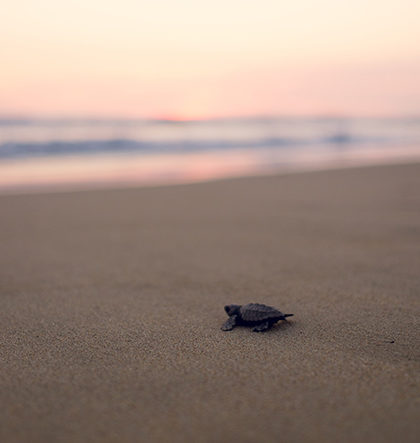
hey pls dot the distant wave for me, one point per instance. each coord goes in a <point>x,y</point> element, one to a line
<point>36,138</point>
<point>10,150</point>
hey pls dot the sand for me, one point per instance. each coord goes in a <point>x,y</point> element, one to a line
<point>112,302</point>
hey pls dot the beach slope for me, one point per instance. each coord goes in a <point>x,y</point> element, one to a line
<point>112,302</point>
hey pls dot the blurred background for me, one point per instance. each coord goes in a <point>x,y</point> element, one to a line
<point>105,94</point>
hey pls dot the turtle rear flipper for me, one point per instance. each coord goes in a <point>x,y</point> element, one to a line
<point>264,326</point>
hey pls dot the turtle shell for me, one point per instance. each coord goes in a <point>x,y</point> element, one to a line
<point>255,312</point>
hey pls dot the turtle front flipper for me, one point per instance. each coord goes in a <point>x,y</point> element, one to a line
<point>230,323</point>
<point>264,326</point>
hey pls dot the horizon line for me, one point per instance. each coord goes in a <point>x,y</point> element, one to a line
<point>168,119</point>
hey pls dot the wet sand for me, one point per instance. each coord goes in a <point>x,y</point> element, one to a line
<point>112,302</point>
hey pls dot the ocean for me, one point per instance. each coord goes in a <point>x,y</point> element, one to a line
<point>57,154</point>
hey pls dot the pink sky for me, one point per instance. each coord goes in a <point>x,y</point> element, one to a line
<point>192,59</point>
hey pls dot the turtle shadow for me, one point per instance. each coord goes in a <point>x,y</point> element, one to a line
<point>276,328</point>
<point>281,326</point>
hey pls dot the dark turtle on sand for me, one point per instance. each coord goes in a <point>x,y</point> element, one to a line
<point>261,317</point>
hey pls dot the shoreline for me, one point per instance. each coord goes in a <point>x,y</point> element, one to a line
<point>248,171</point>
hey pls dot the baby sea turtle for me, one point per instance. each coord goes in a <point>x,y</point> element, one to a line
<point>262,317</point>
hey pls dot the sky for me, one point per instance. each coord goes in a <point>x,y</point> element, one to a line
<point>192,59</point>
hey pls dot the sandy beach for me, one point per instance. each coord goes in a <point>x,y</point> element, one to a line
<point>112,302</point>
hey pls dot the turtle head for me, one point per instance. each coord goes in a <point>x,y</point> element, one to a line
<point>232,310</point>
